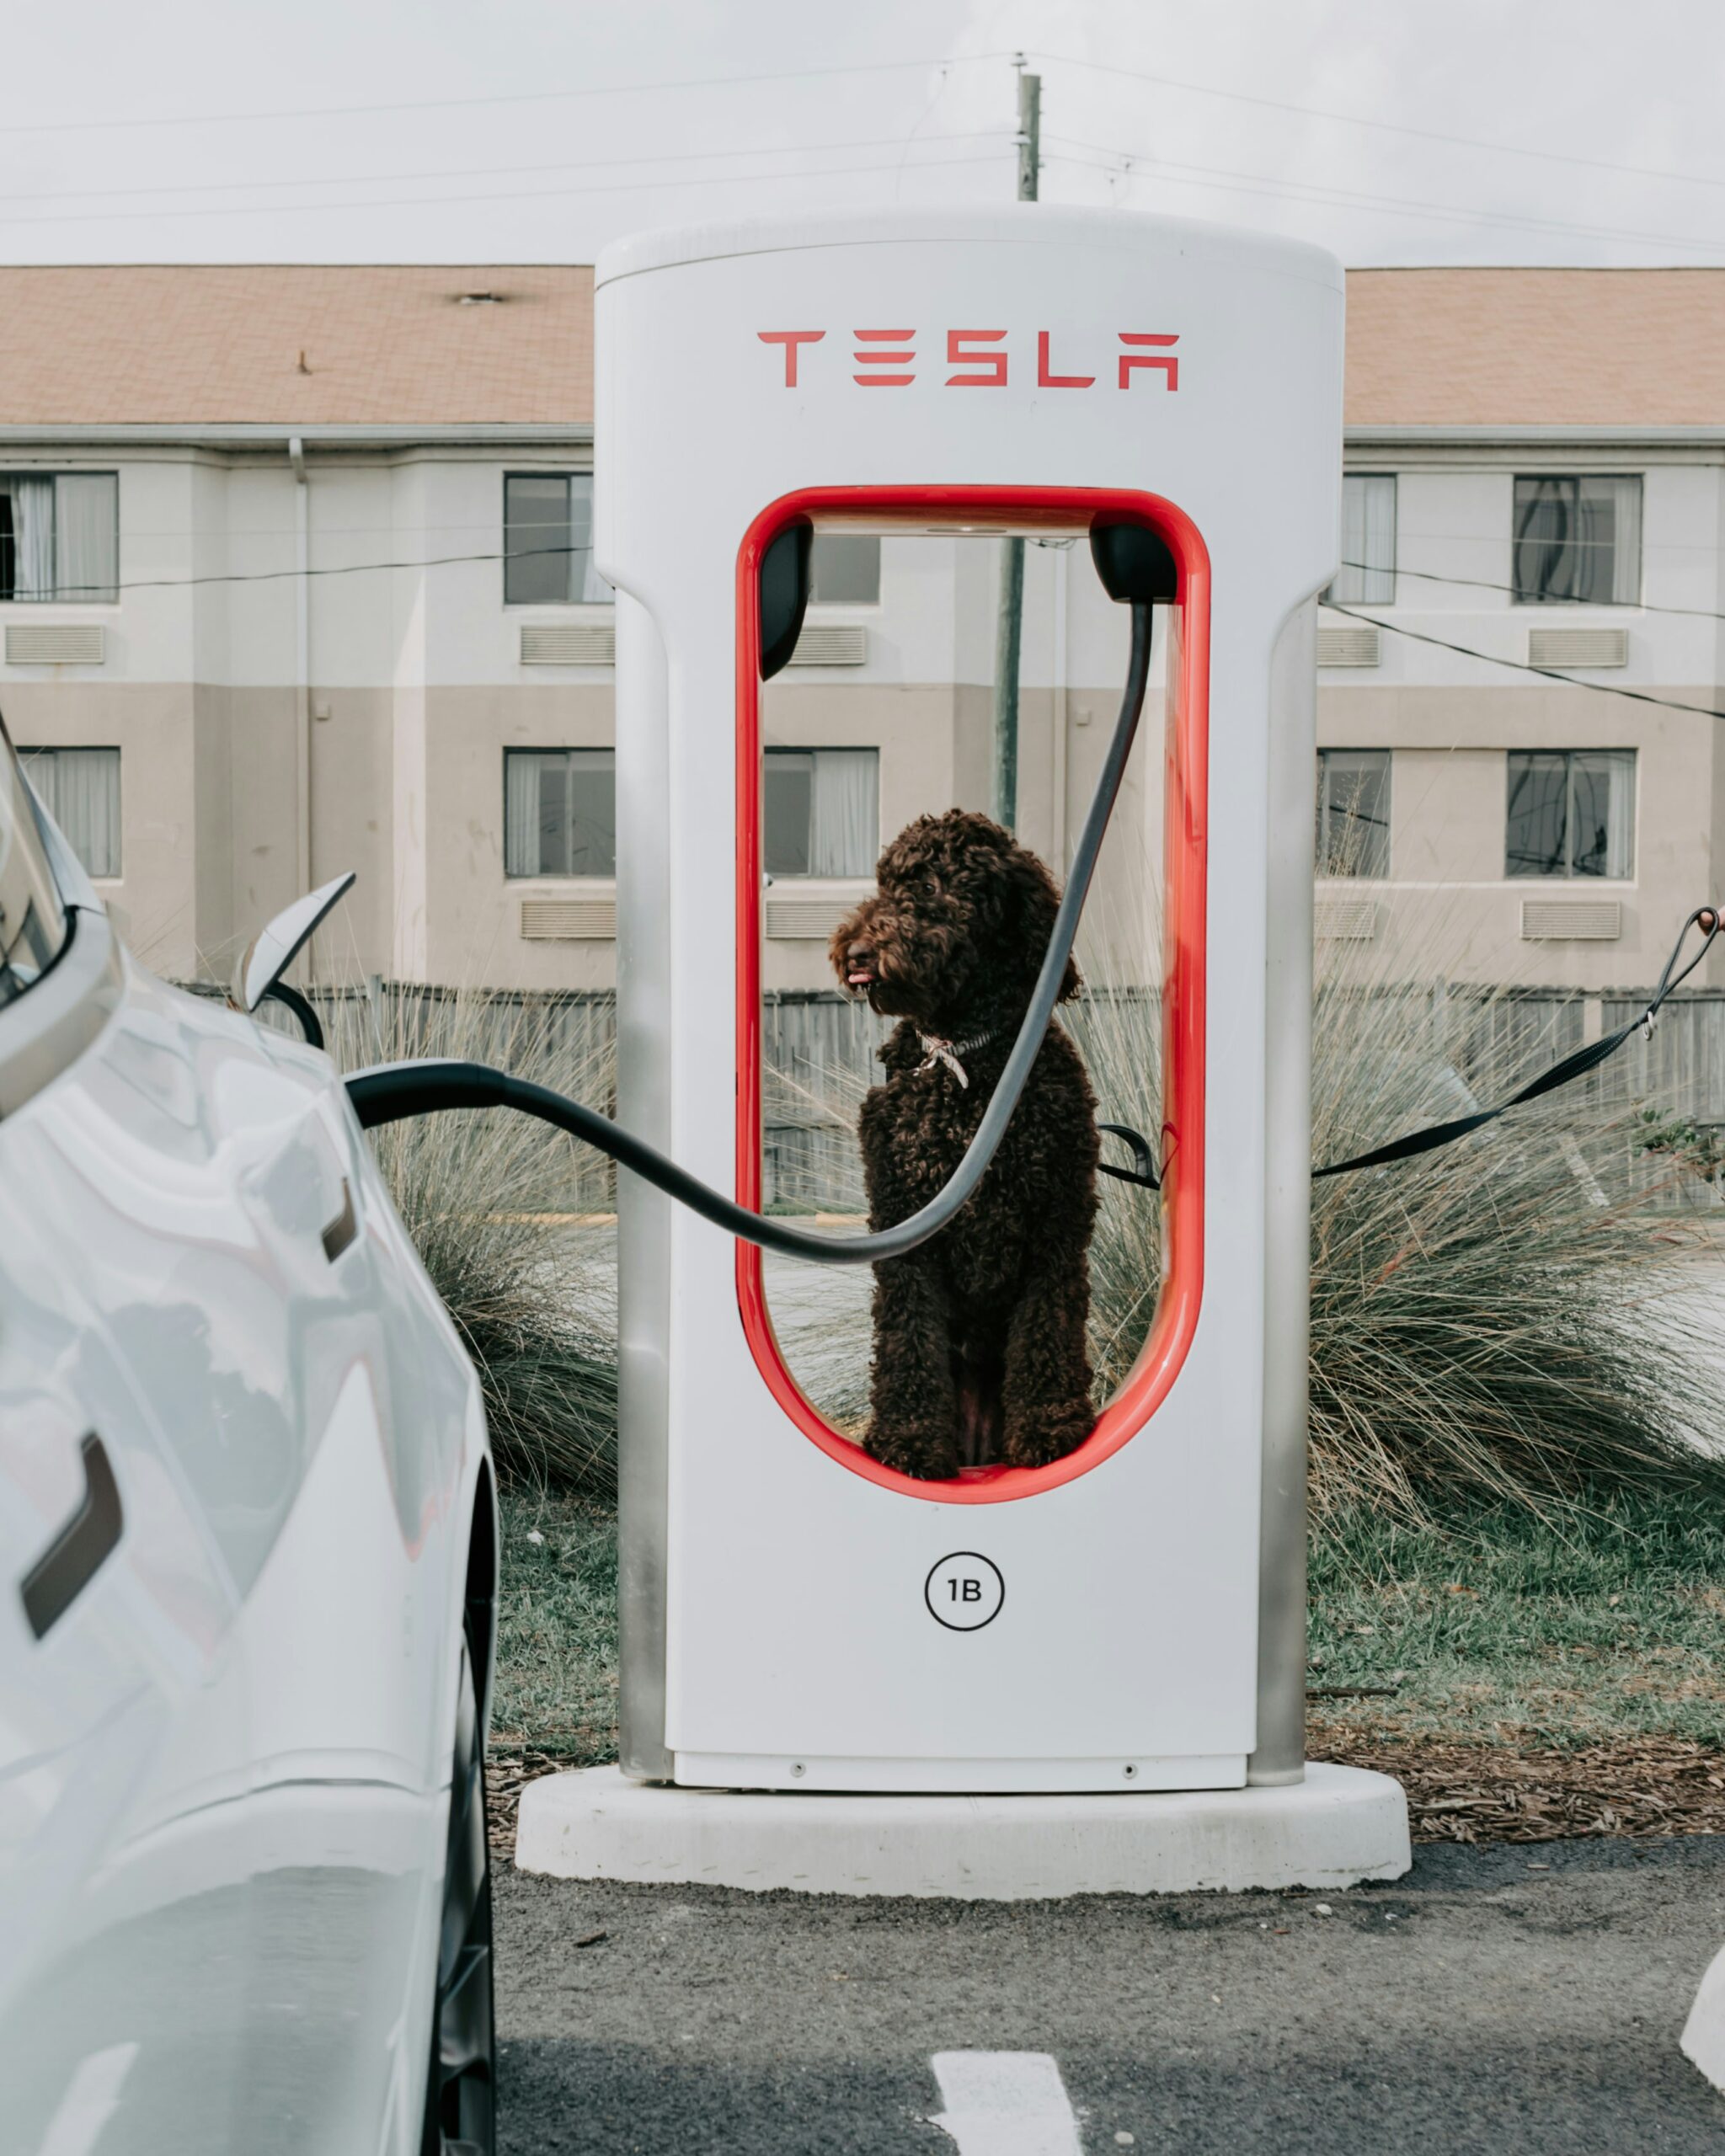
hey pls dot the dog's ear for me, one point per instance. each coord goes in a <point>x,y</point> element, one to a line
<point>1035,901</point>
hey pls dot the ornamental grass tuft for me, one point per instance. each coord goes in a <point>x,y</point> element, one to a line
<point>1526,1317</point>
<point>503,1209</point>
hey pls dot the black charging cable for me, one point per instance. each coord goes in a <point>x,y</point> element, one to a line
<point>388,1092</point>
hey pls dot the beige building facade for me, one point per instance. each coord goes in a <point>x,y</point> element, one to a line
<point>294,579</point>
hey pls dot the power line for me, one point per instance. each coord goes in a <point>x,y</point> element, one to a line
<point>1483,583</point>
<point>1382,126</point>
<point>334,568</point>
<point>513,98</point>
<point>1228,182</point>
<point>500,171</point>
<point>505,194</point>
<point>524,553</point>
<point>1526,666</point>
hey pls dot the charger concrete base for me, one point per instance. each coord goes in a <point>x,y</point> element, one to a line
<point>1339,1826</point>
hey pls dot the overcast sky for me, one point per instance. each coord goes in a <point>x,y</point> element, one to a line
<point>535,131</point>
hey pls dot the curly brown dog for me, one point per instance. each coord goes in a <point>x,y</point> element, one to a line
<point>978,1335</point>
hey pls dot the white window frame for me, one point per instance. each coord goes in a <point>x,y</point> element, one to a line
<point>1324,808</point>
<point>1568,874</point>
<point>847,606</point>
<point>107,595</point>
<point>596,879</point>
<point>1518,598</point>
<point>34,756</point>
<point>1353,584</point>
<point>606,597</point>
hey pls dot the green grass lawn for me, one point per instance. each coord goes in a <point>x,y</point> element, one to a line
<point>1491,1628</point>
<point>557,1628</point>
<point>1499,1628</point>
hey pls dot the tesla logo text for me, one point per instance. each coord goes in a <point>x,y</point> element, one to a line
<point>979,359</point>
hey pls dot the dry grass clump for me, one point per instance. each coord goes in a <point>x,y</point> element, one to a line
<point>500,1207</point>
<point>1508,1318</point>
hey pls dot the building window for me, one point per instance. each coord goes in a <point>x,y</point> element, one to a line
<point>559,812</point>
<point>844,569</point>
<point>822,811</point>
<point>80,790</point>
<point>1368,570</point>
<point>60,536</point>
<point>548,540</point>
<point>1572,813</point>
<point>1577,541</point>
<point>1353,812</point>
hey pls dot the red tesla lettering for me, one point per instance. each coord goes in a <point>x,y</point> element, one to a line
<point>877,360</point>
<point>1166,360</point>
<point>790,338</point>
<point>1045,376</point>
<point>995,362</point>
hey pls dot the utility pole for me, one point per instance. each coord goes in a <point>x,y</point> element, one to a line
<point>1009,625</point>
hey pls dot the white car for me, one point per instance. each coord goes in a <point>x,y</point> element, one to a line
<point>248,1566</point>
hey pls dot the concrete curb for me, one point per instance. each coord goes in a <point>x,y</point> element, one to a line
<point>1339,1826</point>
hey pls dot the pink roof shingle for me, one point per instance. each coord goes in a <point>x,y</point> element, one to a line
<point>1536,347</point>
<point>391,345</point>
<point>207,345</point>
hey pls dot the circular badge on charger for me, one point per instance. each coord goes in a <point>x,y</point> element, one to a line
<point>965,1592</point>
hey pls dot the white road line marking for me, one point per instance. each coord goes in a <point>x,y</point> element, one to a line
<point>92,2098</point>
<point>1004,2103</point>
<point>1704,2033</point>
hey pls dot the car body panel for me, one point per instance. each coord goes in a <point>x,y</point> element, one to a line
<point>224,1769</point>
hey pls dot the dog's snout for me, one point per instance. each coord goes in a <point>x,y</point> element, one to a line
<point>859,950</point>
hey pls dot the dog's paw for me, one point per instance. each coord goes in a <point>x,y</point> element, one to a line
<point>1047,1433</point>
<point>928,1451</point>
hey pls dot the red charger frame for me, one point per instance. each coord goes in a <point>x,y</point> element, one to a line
<point>1185,852</point>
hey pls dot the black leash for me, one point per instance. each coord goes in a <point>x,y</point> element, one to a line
<point>1576,1065</point>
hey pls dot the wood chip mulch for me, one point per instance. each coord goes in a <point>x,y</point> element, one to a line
<point>1484,1793</point>
<point>509,1770</point>
<point>1455,1792</point>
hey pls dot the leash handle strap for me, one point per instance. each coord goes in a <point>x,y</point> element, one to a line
<point>1576,1065</point>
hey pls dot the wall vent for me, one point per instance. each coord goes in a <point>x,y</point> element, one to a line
<point>1578,920</point>
<point>569,643</point>
<point>1360,646</point>
<point>806,919</point>
<point>569,921</point>
<point>55,643</point>
<point>1354,919</point>
<point>830,643</point>
<point>1578,647</point>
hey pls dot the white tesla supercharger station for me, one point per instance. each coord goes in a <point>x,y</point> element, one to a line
<point>1130,1620</point>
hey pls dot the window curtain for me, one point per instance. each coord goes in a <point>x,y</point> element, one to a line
<point>1618,501</point>
<point>845,835</point>
<point>1619,816</point>
<point>33,537</point>
<point>586,583</point>
<point>86,548</point>
<point>80,789</point>
<point>1602,818</point>
<point>1368,570</point>
<point>520,814</point>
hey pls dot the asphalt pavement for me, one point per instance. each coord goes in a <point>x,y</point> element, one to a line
<point>1525,1998</point>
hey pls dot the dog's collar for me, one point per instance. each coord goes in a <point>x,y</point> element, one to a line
<point>936,1051</point>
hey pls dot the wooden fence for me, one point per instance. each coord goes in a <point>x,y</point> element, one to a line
<point>819,1053</point>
